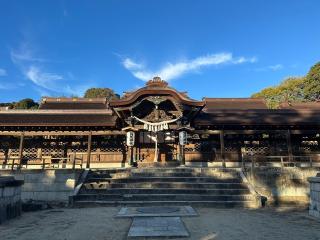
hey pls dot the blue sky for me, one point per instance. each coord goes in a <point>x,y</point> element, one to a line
<point>208,48</point>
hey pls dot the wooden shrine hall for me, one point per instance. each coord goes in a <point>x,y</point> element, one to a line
<point>157,124</point>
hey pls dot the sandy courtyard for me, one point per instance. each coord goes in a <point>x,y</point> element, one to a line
<point>224,224</point>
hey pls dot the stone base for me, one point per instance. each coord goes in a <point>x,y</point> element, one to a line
<point>10,198</point>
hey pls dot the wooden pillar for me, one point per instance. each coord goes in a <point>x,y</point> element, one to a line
<point>222,149</point>
<point>21,149</point>
<point>289,144</point>
<point>130,149</point>
<point>182,155</point>
<point>89,149</point>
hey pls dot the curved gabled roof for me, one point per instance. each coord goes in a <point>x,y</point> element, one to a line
<point>156,86</point>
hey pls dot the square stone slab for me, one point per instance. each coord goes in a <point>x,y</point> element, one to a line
<point>157,227</point>
<point>156,211</point>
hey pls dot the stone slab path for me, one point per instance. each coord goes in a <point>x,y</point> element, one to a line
<point>100,223</point>
<point>157,227</point>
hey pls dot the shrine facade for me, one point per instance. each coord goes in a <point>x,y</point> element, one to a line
<point>157,124</point>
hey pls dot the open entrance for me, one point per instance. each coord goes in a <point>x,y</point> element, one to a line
<point>157,147</point>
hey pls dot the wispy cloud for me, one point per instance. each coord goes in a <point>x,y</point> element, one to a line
<point>275,67</point>
<point>25,53</point>
<point>174,70</point>
<point>43,79</point>
<point>3,72</point>
<point>35,69</point>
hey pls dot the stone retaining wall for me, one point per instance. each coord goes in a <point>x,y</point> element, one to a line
<point>314,208</point>
<point>282,186</point>
<point>10,198</point>
<point>53,186</point>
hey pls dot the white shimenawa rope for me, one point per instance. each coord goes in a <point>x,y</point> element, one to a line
<point>156,127</point>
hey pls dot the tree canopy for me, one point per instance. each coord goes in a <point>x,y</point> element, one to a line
<point>293,89</point>
<point>312,83</point>
<point>101,93</point>
<point>26,103</point>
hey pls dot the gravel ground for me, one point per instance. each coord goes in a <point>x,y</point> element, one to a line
<point>224,224</point>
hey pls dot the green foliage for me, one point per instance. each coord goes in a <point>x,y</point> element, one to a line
<point>10,105</point>
<point>101,93</point>
<point>293,89</point>
<point>26,103</point>
<point>312,83</point>
<point>290,90</point>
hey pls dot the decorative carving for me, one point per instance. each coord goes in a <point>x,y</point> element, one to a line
<point>157,82</point>
<point>157,115</point>
<point>156,99</point>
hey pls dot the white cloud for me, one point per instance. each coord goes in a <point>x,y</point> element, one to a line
<point>3,72</point>
<point>275,67</point>
<point>174,70</point>
<point>24,53</point>
<point>42,79</point>
<point>46,82</point>
<point>130,64</point>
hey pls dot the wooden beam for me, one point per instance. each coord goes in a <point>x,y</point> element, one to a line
<point>222,149</point>
<point>247,131</point>
<point>21,149</point>
<point>61,133</point>
<point>89,149</point>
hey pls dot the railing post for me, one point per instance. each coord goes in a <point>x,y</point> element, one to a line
<point>242,161</point>
<point>310,159</point>
<point>222,149</point>
<point>289,145</point>
<point>89,149</point>
<point>6,155</point>
<point>21,149</point>
<point>73,158</point>
<point>282,164</point>
<point>252,170</point>
<point>12,166</point>
<point>43,163</point>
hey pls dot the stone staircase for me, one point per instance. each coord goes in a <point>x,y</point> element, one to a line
<point>214,187</point>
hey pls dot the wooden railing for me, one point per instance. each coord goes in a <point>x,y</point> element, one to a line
<point>72,161</point>
<point>285,160</point>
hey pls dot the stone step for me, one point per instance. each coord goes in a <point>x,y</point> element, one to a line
<point>165,179</point>
<point>220,175</point>
<point>172,170</point>
<point>162,197</point>
<point>155,185</point>
<point>165,191</point>
<point>213,204</point>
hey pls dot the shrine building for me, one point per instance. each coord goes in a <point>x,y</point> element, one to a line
<point>158,125</point>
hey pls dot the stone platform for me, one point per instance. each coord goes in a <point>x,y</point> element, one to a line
<point>176,211</point>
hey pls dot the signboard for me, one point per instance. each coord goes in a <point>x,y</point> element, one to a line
<point>130,139</point>
<point>183,138</point>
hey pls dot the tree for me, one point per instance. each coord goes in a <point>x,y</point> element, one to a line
<point>312,83</point>
<point>26,103</point>
<point>101,93</point>
<point>290,90</point>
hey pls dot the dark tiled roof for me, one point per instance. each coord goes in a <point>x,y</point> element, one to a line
<point>259,117</point>
<point>73,103</point>
<point>57,118</point>
<point>233,103</point>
